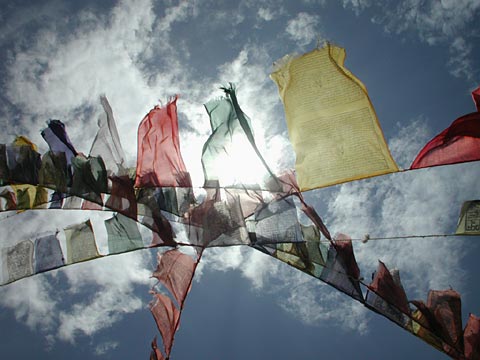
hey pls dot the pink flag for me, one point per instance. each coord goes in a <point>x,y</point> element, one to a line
<point>471,338</point>
<point>460,142</point>
<point>175,270</point>
<point>159,162</point>
<point>156,354</point>
<point>443,315</point>
<point>384,285</point>
<point>166,316</point>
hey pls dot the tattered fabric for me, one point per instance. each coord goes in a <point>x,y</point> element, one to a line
<point>230,155</point>
<point>175,270</point>
<point>166,316</point>
<point>107,141</point>
<point>443,318</point>
<point>458,143</point>
<point>387,296</point>
<point>341,270</point>
<point>159,161</point>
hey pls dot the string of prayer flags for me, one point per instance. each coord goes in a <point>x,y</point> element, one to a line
<point>159,161</point>
<point>469,220</point>
<point>442,315</point>
<point>458,143</point>
<point>331,122</point>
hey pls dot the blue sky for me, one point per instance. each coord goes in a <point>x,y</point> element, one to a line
<point>419,61</point>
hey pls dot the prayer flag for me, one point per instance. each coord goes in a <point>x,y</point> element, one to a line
<point>159,161</point>
<point>458,143</point>
<point>331,122</point>
<point>469,220</point>
<point>81,244</point>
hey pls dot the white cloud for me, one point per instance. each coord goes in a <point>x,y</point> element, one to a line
<point>103,348</point>
<point>303,28</point>
<point>265,14</point>
<point>460,62</point>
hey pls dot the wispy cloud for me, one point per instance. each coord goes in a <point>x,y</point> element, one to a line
<point>303,28</point>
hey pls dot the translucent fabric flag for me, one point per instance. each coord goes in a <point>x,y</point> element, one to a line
<point>122,234</point>
<point>341,270</point>
<point>307,256</point>
<point>29,196</point>
<point>387,296</point>
<point>81,244</point>
<point>167,317</point>
<point>442,315</point>
<point>107,141</point>
<point>331,122</point>
<point>230,155</point>
<point>54,171</point>
<point>152,217</point>
<point>8,200</point>
<point>17,261</point>
<point>275,222</point>
<point>89,178</point>
<point>122,196</point>
<point>471,338</point>
<point>175,270</point>
<point>58,141</point>
<point>159,161</point>
<point>23,162</point>
<point>469,220</point>
<point>156,354</point>
<point>217,222</point>
<point>458,143</point>
<point>4,170</point>
<point>48,253</point>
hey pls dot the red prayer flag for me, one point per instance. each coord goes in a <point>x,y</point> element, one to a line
<point>156,354</point>
<point>166,316</point>
<point>460,142</point>
<point>384,285</point>
<point>443,313</point>
<point>175,270</point>
<point>471,338</point>
<point>159,162</point>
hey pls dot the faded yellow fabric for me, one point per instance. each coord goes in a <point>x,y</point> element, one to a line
<point>30,196</point>
<point>331,122</point>
<point>81,244</point>
<point>469,220</point>
<point>24,141</point>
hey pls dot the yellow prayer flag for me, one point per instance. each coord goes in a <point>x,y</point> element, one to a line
<point>469,220</point>
<point>331,122</point>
